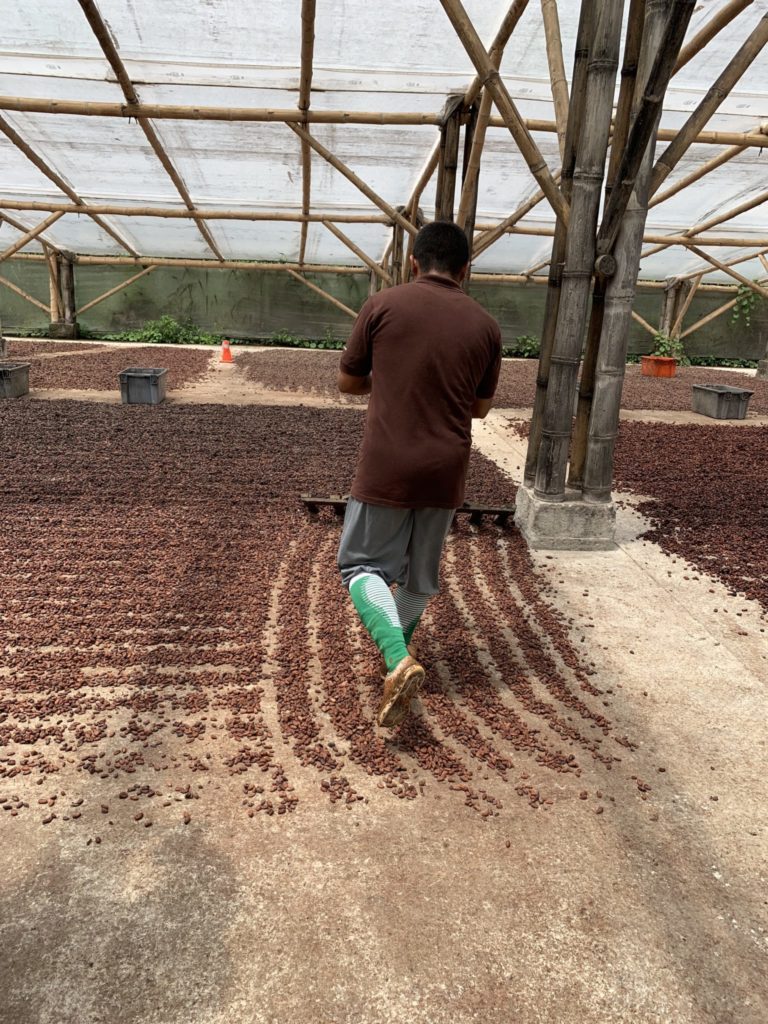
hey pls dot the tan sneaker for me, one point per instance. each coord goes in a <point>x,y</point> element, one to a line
<point>383,666</point>
<point>402,683</point>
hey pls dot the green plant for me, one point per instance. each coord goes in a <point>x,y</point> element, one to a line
<point>525,346</point>
<point>746,300</point>
<point>671,348</point>
<point>167,331</point>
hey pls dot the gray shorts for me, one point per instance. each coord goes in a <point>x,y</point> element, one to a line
<point>402,545</point>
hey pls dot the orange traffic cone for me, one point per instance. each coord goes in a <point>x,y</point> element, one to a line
<point>226,352</point>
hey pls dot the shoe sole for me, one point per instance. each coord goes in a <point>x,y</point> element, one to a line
<point>399,704</point>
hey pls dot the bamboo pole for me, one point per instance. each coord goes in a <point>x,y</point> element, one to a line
<point>67,289</point>
<point>30,236</point>
<point>697,175</point>
<point>558,81</point>
<point>370,263</point>
<point>492,81</point>
<point>744,258</point>
<point>643,323</point>
<point>24,295</point>
<point>678,324</point>
<point>709,317</point>
<point>305,95</point>
<point>163,111</point>
<point>321,291</point>
<point>34,158</point>
<point>758,289</point>
<point>555,277</point>
<point>487,239</point>
<point>634,36</point>
<point>716,24</point>
<point>23,228</point>
<point>53,285</point>
<point>448,162</point>
<point>661,19</point>
<point>645,123</point>
<point>178,213</point>
<point>530,271</point>
<point>203,264</point>
<point>107,44</point>
<point>694,233</point>
<point>526,279</point>
<point>763,260</point>
<point>115,290</point>
<point>580,251</point>
<point>723,85</point>
<point>350,175</point>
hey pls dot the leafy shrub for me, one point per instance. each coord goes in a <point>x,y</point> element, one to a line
<point>671,348</point>
<point>167,331</point>
<point>525,346</point>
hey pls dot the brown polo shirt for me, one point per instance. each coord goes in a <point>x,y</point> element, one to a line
<point>432,351</point>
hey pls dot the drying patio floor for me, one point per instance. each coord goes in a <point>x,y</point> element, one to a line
<point>201,822</point>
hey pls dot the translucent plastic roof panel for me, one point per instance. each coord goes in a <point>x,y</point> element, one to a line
<point>400,57</point>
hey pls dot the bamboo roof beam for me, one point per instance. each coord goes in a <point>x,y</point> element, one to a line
<point>350,175</point>
<point>723,85</point>
<point>711,222</point>
<point>305,94</point>
<point>726,269</point>
<point>107,44</point>
<point>491,79</point>
<point>488,237</point>
<point>181,112</point>
<point>677,325</point>
<point>370,263</point>
<point>709,317</point>
<point>558,81</point>
<point>82,207</point>
<point>764,261</point>
<point>706,34</point>
<point>729,263</point>
<point>24,228</point>
<point>697,174</point>
<point>326,295</point>
<point>643,323</point>
<point>30,235</point>
<point>24,295</point>
<point>115,290</point>
<point>179,213</point>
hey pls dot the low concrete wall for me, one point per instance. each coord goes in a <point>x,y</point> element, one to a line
<point>250,304</point>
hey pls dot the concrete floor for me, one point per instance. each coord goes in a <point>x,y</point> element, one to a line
<point>655,910</point>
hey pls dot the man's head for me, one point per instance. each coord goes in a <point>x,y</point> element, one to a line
<point>441,248</point>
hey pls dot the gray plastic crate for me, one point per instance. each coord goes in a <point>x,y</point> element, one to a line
<point>141,386</point>
<point>14,380</point>
<point>720,401</point>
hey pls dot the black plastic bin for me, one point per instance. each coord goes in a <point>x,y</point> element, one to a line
<point>720,401</point>
<point>14,380</point>
<point>141,386</point>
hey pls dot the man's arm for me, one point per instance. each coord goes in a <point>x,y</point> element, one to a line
<point>352,385</point>
<point>481,407</point>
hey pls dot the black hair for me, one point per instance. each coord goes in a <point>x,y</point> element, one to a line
<point>441,246</point>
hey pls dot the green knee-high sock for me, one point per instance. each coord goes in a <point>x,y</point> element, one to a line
<point>410,608</point>
<point>376,607</point>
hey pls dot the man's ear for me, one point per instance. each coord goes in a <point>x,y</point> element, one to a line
<point>463,272</point>
<point>415,269</point>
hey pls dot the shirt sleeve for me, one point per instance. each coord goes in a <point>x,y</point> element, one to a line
<point>487,386</point>
<point>357,357</point>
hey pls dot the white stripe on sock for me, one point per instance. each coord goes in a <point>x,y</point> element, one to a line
<point>409,606</point>
<point>378,593</point>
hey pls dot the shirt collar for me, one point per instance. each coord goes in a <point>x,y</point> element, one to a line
<point>437,279</point>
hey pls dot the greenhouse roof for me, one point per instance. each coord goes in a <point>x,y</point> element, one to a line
<point>397,62</point>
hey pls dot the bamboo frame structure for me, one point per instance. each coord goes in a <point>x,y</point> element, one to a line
<point>372,264</point>
<point>181,112</point>
<point>24,228</point>
<point>725,82</point>
<point>677,326</point>
<point>52,259</point>
<point>662,20</point>
<point>492,81</point>
<point>448,159</point>
<point>29,236</point>
<point>350,175</point>
<point>115,290</point>
<point>697,175</point>
<point>321,291</point>
<point>45,168</point>
<point>694,234</point>
<point>305,93</point>
<point>716,24</point>
<point>580,250</point>
<point>726,269</point>
<point>709,318</point>
<point>174,212</point>
<point>22,294</point>
<point>557,79</point>
<point>729,263</point>
<point>651,330</point>
<point>91,12</point>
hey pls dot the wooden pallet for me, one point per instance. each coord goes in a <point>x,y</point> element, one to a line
<point>476,513</point>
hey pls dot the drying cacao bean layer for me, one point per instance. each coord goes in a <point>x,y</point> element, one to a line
<point>174,621</point>
<point>315,372</point>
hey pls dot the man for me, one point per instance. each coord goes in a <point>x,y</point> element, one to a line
<point>435,356</point>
